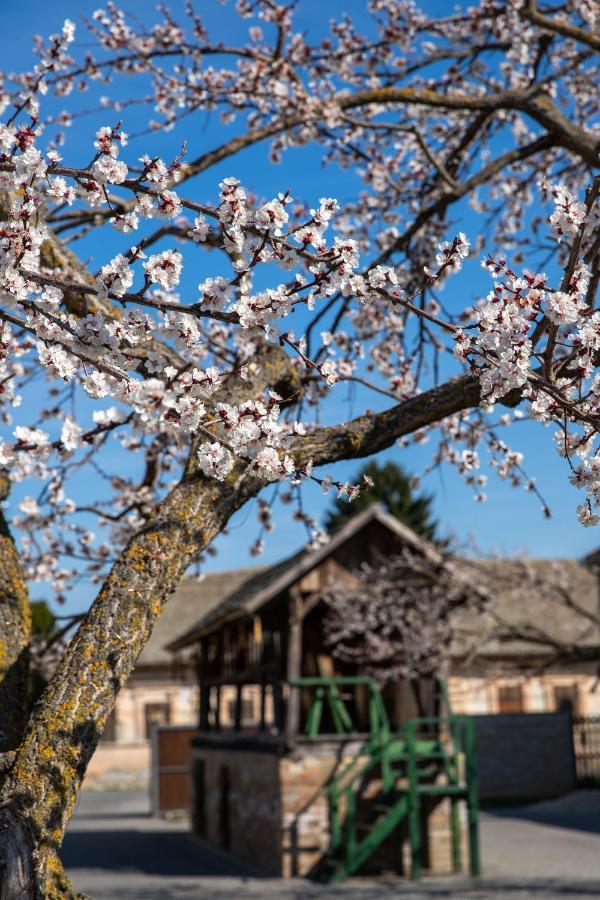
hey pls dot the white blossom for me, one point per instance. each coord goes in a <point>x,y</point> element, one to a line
<point>34,437</point>
<point>168,205</point>
<point>116,277</point>
<point>30,164</point>
<point>215,293</point>
<point>272,216</point>
<point>126,223</point>
<point>108,169</point>
<point>200,230</point>
<point>164,268</point>
<point>71,434</point>
<point>215,460</point>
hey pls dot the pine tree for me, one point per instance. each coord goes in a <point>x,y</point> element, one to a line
<point>392,489</point>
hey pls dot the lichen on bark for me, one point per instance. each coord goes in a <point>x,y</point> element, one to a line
<point>15,633</point>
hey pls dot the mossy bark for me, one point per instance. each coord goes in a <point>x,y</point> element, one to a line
<point>15,634</point>
<point>69,718</point>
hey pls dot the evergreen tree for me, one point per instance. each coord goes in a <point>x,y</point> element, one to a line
<point>43,629</point>
<point>392,489</point>
<point>43,623</point>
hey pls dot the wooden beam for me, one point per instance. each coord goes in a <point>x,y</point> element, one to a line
<point>294,662</point>
<point>247,676</point>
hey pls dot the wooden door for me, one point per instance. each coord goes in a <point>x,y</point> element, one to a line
<point>172,769</point>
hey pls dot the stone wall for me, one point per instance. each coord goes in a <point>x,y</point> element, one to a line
<point>524,756</point>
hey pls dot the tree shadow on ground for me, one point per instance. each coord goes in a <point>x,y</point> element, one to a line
<point>217,889</point>
<point>578,811</point>
<point>150,852</point>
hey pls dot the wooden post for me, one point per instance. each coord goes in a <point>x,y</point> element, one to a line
<point>218,709</point>
<point>278,705</point>
<point>294,662</point>
<point>238,708</point>
<point>414,819</point>
<point>263,706</point>
<point>204,706</point>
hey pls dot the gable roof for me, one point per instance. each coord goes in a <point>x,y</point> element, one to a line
<point>266,584</point>
<point>192,599</point>
<point>480,631</point>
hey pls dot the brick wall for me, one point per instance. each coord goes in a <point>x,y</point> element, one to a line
<point>305,813</point>
<point>524,755</point>
<point>278,813</point>
<point>242,808</point>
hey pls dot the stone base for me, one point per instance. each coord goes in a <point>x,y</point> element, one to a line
<point>269,808</point>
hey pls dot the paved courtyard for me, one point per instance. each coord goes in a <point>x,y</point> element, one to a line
<point>115,849</point>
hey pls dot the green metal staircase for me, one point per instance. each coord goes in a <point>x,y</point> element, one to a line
<point>386,782</point>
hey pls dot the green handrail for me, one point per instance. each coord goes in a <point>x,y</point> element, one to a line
<point>327,690</point>
<point>417,756</point>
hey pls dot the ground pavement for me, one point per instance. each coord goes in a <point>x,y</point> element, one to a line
<point>115,849</point>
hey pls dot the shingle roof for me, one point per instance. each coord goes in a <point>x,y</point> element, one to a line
<point>191,600</point>
<point>263,586</point>
<point>541,609</point>
<point>225,596</point>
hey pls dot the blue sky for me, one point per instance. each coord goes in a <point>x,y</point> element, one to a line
<point>511,520</point>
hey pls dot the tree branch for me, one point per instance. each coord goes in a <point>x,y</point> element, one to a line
<point>373,432</point>
<point>560,26</point>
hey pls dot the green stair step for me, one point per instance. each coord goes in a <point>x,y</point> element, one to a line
<point>456,790</point>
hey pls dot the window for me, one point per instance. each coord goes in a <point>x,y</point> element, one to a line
<point>156,714</point>
<point>566,698</point>
<point>510,699</point>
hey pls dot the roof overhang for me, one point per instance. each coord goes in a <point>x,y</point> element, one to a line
<point>301,564</point>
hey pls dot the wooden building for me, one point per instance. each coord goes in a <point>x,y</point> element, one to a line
<point>259,785</point>
<point>260,782</point>
<point>269,632</point>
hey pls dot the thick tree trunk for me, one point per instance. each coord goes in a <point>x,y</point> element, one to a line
<point>16,854</point>
<point>15,620</point>
<point>15,632</point>
<point>69,718</point>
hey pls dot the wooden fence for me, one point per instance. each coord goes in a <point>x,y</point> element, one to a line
<point>586,745</point>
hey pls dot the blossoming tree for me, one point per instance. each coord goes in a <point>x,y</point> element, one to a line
<point>218,392</point>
